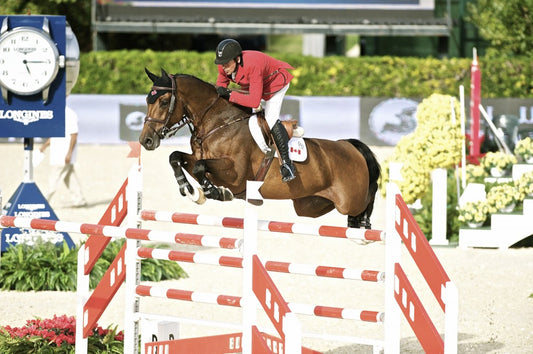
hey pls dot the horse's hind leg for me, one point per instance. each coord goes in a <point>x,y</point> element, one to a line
<point>363,219</point>
<point>210,190</point>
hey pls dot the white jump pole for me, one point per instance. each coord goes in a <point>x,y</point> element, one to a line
<point>133,272</point>
<point>440,199</point>
<point>249,303</point>
<point>82,291</point>
<point>392,256</point>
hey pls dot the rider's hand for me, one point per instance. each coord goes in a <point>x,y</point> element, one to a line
<point>223,92</point>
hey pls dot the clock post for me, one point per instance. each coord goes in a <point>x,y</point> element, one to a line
<point>32,104</point>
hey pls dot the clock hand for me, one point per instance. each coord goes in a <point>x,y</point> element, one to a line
<point>27,67</point>
<point>36,61</point>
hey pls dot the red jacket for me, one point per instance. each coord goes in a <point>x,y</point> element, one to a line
<point>261,75</point>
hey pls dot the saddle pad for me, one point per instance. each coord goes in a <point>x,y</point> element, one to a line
<point>297,149</point>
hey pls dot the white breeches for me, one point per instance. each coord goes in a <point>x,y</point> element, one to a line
<point>272,107</point>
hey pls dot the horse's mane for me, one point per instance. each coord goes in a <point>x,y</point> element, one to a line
<point>244,109</point>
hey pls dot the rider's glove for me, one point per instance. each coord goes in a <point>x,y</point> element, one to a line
<point>223,92</point>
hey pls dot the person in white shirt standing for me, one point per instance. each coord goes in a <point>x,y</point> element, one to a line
<point>62,160</point>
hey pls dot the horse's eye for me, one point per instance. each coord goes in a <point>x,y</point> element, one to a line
<point>163,103</point>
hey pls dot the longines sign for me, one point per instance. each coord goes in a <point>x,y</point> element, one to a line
<point>26,116</point>
<point>32,76</point>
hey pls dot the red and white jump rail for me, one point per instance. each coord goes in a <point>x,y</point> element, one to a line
<point>235,301</point>
<point>121,232</point>
<point>272,266</point>
<point>264,225</point>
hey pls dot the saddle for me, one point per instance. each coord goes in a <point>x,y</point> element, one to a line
<point>293,130</point>
<point>291,126</point>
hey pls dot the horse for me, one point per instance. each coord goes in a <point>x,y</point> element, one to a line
<point>340,174</point>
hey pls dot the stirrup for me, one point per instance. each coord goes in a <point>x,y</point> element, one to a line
<point>287,172</point>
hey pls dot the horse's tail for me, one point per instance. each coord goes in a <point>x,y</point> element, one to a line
<point>374,169</point>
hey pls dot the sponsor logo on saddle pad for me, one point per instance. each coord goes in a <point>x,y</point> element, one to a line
<point>297,149</point>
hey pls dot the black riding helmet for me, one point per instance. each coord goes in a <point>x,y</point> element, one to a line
<point>227,50</point>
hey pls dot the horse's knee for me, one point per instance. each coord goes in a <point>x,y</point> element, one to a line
<point>175,159</point>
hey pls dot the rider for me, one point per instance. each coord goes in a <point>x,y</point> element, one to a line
<point>264,78</point>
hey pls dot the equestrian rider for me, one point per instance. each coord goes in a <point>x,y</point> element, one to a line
<point>264,78</point>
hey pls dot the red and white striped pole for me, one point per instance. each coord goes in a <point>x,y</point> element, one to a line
<point>475,100</point>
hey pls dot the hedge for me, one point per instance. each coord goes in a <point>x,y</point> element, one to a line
<point>122,72</point>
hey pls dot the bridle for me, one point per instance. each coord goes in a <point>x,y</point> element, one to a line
<point>167,132</point>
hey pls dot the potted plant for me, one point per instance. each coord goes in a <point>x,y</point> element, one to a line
<point>498,163</point>
<point>524,185</point>
<point>474,214</point>
<point>502,198</point>
<point>524,150</point>
<point>475,173</point>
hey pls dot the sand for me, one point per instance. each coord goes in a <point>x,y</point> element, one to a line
<point>495,307</point>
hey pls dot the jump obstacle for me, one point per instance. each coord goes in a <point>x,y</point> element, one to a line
<point>257,284</point>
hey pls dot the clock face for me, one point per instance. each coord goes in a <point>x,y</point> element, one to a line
<point>28,60</point>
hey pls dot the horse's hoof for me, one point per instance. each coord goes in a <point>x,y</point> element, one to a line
<point>226,194</point>
<point>201,200</point>
<point>196,196</point>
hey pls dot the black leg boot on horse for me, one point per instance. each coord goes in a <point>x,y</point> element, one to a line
<point>211,191</point>
<point>281,138</point>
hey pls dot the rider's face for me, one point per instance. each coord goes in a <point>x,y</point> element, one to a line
<point>229,67</point>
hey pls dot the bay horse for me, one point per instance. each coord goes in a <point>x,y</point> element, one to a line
<point>339,174</point>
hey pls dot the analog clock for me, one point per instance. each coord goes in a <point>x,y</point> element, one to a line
<point>29,61</point>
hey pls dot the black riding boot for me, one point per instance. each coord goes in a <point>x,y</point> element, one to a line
<point>281,138</point>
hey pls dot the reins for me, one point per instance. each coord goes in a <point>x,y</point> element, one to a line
<point>200,139</point>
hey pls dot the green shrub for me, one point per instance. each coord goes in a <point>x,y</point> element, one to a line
<point>44,266</point>
<point>39,267</point>
<point>151,269</point>
<point>122,72</point>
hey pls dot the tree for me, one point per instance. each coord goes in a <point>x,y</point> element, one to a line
<point>77,13</point>
<point>506,24</point>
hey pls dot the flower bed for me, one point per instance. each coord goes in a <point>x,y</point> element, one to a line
<point>56,335</point>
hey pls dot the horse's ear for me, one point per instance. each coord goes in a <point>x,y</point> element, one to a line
<point>152,76</point>
<point>163,73</point>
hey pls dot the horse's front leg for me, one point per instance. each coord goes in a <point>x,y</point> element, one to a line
<point>211,191</point>
<point>179,161</point>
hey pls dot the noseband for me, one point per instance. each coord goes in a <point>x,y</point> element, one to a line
<point>167,132</point>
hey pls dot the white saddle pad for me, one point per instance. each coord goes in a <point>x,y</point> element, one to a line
<point>297,149</point>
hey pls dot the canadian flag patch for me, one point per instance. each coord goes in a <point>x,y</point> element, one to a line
<point>297,149</point>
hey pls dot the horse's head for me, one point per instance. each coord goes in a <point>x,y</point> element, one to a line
<point>177,100</point>
<point>165,113</point>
